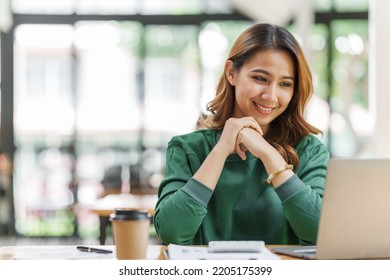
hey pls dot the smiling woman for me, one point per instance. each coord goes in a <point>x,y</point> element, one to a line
<point>264,86</point>
<point>257,172</point>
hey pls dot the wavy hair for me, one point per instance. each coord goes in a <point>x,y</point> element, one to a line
<point>290,127</point>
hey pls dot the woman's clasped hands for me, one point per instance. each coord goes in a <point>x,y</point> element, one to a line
<point>243,134</point>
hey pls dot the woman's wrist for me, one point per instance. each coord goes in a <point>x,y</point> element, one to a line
<point>220,151</point>
<point>268,153</point>
<point>282,177</point>
<point>278,171</point>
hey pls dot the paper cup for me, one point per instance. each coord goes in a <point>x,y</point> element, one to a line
<point>130,233</point>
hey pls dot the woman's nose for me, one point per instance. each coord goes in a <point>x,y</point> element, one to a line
<point>269,93</point>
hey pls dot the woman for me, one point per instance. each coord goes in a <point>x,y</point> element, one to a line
<point>258,171</point>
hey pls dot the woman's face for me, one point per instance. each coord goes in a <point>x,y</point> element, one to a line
<point>264,85</point>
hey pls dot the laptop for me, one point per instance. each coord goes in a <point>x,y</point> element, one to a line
<point>355,217</point>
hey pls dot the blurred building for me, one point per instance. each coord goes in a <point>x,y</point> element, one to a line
<point>90,85</point>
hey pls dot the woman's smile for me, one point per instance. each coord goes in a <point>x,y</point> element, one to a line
<point>262,109</point>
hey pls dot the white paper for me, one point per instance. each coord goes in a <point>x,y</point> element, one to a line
<point>180,252</point>
<point>65,253</point>
<point>52,253</point>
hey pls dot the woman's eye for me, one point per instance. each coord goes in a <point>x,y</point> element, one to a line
<point>285,84</point>
<point>261,79</point>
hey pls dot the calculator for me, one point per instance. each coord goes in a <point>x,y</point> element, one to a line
<point>236,246</point>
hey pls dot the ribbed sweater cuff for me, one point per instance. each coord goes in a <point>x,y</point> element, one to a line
<point>288,188</point>
<point>198,191</point>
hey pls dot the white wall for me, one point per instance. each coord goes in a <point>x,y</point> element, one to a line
<point>379,75</point>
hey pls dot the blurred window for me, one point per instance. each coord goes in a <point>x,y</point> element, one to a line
<point>106,93</point>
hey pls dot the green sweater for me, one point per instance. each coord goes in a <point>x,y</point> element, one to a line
<point>242,206</point>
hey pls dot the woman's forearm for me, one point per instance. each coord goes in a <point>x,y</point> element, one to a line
<point>211,169</point>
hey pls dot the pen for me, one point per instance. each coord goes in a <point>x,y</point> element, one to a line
<point>93,250</point>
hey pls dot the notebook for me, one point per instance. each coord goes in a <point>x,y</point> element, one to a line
<point>355,217</point>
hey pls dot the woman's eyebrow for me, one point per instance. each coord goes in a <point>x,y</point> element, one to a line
<point>261,71</point>
<point>269,74</point>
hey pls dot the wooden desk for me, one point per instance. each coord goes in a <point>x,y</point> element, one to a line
<point>103,207</point>
<point>155,252</point>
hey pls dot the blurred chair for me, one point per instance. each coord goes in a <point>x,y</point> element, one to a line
<point>118,182</point>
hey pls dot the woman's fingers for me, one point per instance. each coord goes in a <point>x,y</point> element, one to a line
<point>249,139</point>
<point>232,130</point>
<point>239,148</point>
<point>253,124</point>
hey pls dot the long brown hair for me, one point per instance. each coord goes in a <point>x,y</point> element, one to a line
<point>290,127</point>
